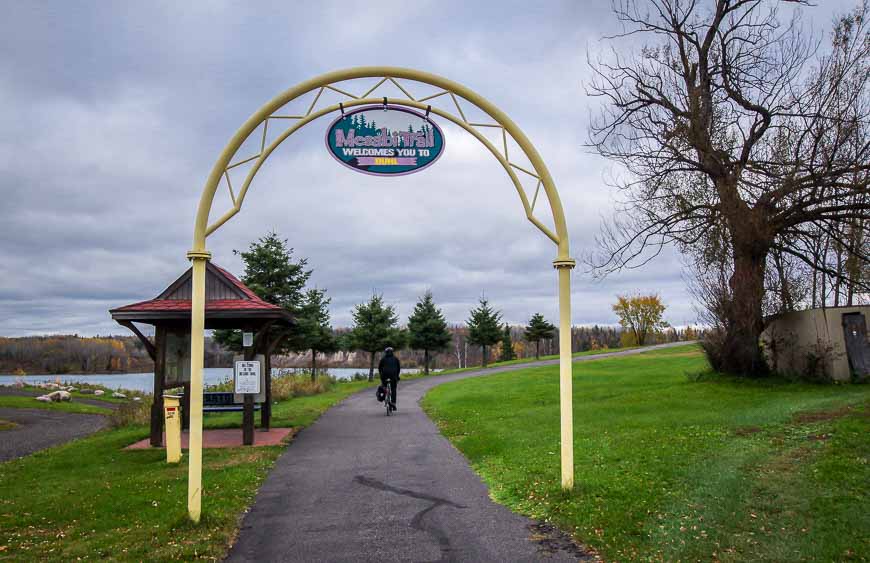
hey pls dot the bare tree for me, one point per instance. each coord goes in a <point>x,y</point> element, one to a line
<point>739,139</point>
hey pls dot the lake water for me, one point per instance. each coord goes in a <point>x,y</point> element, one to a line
<point>145,381</point>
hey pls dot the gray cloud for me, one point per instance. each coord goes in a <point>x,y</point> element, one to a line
<point>113,113</point>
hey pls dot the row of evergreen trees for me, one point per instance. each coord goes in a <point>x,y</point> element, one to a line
<point>376,326</point>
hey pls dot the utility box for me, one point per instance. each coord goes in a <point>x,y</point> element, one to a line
<point>172,417</point>
<point>831,343</point>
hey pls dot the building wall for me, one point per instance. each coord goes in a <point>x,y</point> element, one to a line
<point>791,340</point>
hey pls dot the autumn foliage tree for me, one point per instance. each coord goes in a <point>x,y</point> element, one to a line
<point>640,315</point>
<point>741,142</point>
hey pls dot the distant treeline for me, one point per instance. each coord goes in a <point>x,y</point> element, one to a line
<point>125,354</point>
<point>461,353</point>
<point>76,354</point>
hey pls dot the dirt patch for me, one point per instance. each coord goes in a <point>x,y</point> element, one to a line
<point>7,425</point>
<point>252,457</point>
<point>747,430</point>
<point>551,539</point>
<point>820,416</point>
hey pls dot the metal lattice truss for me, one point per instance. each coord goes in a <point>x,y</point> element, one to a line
<point>256,131</point>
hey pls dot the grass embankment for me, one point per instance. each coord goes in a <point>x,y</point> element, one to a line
<point>518,361</point>
<point>23,402</point>
<point>91,499</point>
<point>668,469</point>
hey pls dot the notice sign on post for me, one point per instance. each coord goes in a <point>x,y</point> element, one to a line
<point>247,377</point>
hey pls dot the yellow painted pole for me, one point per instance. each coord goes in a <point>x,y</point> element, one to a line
<point>197,337</point>
<point>565,372</point>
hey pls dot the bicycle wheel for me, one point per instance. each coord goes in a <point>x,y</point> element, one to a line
<point>388,399</point>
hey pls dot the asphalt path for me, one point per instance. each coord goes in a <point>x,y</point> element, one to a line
<point>360,486</point>
<point>39,429</point>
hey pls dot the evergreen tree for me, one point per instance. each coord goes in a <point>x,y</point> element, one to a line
<point>375,326</point>
<point>317,335</point>
<point>273,274</point>
<point>484,328</point>
<point>538,329</point>
<point>427,329</point>
<point>507,347</point>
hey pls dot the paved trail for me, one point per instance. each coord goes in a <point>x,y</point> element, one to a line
<point>39,429</point>
<point>358,486</point>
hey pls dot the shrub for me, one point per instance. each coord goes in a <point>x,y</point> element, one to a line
<point>713,345</point>
<point>131,413</point>
<point>299,385</point>
<point>288,385</point>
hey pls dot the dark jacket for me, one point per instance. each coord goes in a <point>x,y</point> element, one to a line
<point>389,367</point>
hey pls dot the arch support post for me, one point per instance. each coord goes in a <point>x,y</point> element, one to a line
<point>197,354</point>
<point>563,267</point>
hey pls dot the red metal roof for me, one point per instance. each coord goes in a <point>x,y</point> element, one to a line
<point>210,305</point>
<point>244,289</point>
<point>251,302</point>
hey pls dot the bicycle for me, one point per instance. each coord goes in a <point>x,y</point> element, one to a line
<point>388,398</point>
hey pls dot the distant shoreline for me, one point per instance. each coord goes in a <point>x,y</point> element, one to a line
<point>61,375</point>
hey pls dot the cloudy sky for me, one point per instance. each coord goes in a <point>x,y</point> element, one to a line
<point>112,114</point>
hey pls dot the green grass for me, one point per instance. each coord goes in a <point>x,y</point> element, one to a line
<point>300,411</point>
<point>667,469</point>
<point>518,361</point>
<point>91,499</point>
<point>21,402</point>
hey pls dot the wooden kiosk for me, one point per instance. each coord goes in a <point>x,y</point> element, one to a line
<point>228,304</point>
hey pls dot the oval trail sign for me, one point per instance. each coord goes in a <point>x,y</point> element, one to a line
<point>385,143</point>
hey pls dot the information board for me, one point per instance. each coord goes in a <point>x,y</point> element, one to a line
<point>247,377</point>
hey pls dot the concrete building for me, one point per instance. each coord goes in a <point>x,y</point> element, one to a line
<point>828,343</point>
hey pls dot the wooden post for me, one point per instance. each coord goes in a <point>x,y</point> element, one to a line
<point>248,421</point>
<point>266,407</point>
<point>185,407</point>
<point>248,413</point>
<point>157,404</point>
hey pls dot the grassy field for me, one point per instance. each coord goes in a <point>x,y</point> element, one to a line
<point>90,499</point>
<point>22,402</point>
<point>671,469</point>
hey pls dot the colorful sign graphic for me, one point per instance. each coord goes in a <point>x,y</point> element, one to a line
<point>385,140</point>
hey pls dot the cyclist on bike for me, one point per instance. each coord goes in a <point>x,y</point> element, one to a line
<point>389,369</point>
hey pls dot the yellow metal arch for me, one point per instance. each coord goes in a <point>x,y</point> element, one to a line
<point>266,114</point>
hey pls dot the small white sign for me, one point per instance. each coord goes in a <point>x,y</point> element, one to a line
<point>247,377</point>
<point>247,339</point>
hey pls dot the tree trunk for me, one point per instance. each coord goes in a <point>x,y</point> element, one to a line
<point>313,366</point>
<point>741,353</point>
<point>537,349</point>
<point>372,366</point>
<point>426,362</point>
<point>483,350</point>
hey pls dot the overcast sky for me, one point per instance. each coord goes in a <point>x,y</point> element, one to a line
<point>112,114</point>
